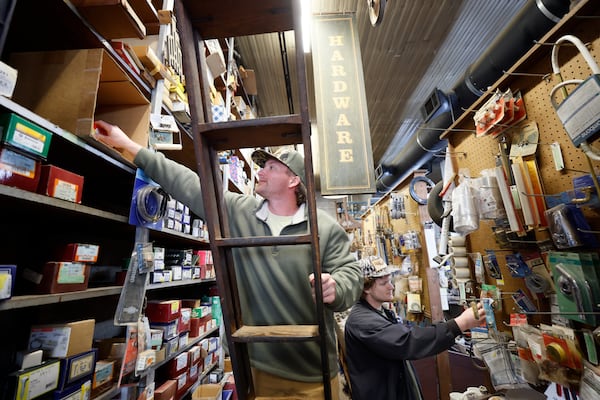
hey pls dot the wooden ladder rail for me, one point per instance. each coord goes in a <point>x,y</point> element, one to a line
<point>212,137</point>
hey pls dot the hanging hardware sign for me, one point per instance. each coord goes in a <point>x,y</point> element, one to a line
<point>346,158</point>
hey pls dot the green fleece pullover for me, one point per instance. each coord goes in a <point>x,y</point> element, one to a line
<point>273,281</point>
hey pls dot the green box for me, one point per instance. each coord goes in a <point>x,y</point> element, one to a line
<point>25,135</point>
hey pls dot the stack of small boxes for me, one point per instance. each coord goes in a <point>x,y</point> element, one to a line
<point>23,150</point>
<point>23,147</point>
<point>205,262</point>
<point>179,265</point>
<point>171,335</point>
<point>199,229</point>
<point>178,217</point>
<point>201,318</point>
<point>70,273</point>
<point>165,317</point>
<point>59,361</point>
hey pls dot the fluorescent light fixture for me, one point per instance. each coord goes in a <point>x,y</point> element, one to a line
<point>306,10</point>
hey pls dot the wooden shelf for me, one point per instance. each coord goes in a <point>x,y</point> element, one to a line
<point>42,200</point>
<point>43,299</point>
<point>250,133</point>
<point>228,18</point>
<point>187,282</point>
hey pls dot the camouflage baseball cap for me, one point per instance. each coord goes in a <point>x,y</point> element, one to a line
<point>375,267</point>
<point>290,158</point>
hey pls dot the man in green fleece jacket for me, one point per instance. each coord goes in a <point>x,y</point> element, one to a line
<point>275,283</point>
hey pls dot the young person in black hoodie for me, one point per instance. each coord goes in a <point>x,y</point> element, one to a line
<point>379,348</point>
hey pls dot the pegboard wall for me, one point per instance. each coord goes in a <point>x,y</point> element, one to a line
<point>383,215</point>
<point>533,77</point>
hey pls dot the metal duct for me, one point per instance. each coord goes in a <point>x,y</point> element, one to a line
<point>535,19</point>
<point>421,146</point>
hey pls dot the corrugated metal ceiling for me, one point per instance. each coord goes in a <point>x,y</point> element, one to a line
<point>419,45</point>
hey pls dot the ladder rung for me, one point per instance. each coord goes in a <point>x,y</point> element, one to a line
<point>253,241</point>
<point>276,333</point>
<point>248,133</point>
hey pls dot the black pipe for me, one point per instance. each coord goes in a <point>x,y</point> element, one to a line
<point>531,23</point>
<point>535,19</point>
<point>423,145</point>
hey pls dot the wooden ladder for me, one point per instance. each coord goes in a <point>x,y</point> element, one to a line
<point>201,20</point>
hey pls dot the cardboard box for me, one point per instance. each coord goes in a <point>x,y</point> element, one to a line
<point>216,64</point>
<point>8,80</point>
<point>103,373</point>
<point>80,252</point>
<point>77,368</point>
<point>193,373</point>
<point>23,134</point>
<point>58,277</point>
<point>163,311</point>
<point>60,183</point>
<point>249,81</point>
<point>8,276</point>
<point>171,346</point>
<point>211,391</point>
<point>182,384</point>
<point>184,319</point>
<point>176,366</point>
<point>78,391</point>
<point>113,19</point>
<point>33,382</point>
<point>166,391</point>
<point>19,170</point>
<point>72,88</point>
<point>63,340</point>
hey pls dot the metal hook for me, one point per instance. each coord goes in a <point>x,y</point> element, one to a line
<point>540,195</point>
<point>545,77</point>
<point>446,129</point>
<point>588,231</point>
<point>558,313</point>
<point>588,44</point>
<point>452,154</point>
<point>528,241</point>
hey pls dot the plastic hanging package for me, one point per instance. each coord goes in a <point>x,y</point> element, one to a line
<point>564,233</point>
<point>489,199</point>
<point>465,216</point>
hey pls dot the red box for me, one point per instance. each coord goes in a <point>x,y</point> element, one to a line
<point>59,277</point>
<point>182,384</point>
<point>195,354</point>
<point>191,303</point>
<point>163,310</point>
<point>184,319</point>
<point>80,252</point>
<point>60,183</point>
<point>166,391</point>
<point>178,365</point>
<point>196,327</point>
<point>19,170</point>
<point>193,373</point>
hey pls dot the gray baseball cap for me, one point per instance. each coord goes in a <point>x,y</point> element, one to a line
<point>290,158</point>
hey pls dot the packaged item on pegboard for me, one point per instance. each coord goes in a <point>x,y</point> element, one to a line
<point>148,203</point>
